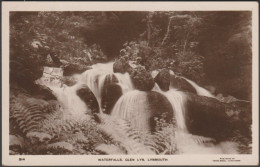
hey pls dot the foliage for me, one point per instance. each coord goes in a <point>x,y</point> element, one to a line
<point>244,143</point>
<point>121,131</point>
<point>36,127</point>
<point>35,35</point>
<point>25,113</point>
<point>226,45</point>
<point>207,47</point>
<point>162,141</point>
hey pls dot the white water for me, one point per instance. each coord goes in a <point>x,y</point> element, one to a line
<point>200,91</point>
<point>95,79</point>
<point>177,100</point>
<point>69,99</point>
<point>133,105</point>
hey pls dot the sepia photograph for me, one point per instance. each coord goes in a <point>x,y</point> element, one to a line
<point>153,83</point>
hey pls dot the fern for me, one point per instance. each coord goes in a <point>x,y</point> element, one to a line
<point>60,147</point>
<point>122,132</point>
<point>110,149</point>
<point>162,141</point>
<point>38,136</point>
<point>26,113</point>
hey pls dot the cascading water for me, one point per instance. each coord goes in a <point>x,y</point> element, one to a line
<point>95,79</point>
<point>200,91</point>
<point>133,107</point>
<point>68,97</point>
<point>133,104</point>
<point>177,100</point>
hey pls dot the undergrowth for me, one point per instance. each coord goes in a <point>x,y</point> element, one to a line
<point>39,127</point>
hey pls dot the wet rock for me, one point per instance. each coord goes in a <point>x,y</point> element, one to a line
<point>43,92</point>
<point>209,117</point>
<point>110,94</point>
<point>181,84</point>
<point>74,69</point>
<point>109,79</point>
<point>163,79</point>
<point>69,80</point>
<point>141,79</point>
<point>121,65</point>
<point>89,98</point>
<point>160,108</point>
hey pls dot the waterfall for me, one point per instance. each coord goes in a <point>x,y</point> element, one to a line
<point>68,97</point>
<point>177,100</point>
<point>200,91</point>
<point>134,106</point>
<point>95,79</point>
<point>124,81</point>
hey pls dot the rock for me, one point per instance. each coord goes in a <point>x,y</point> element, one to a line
<point>89,98</point>
<point>163,79</point>
<point>241,114</point>
<point>160,108</point>
<point>181,84</point>
<point>110,94</point>
<point>42,91</point>
<point>142,80</point>
<point>109,79</point>
<point>69,80</point>
<point>64,62</point>
<point>121,65</point>
<point>209,117</point>
<point>74,69</point>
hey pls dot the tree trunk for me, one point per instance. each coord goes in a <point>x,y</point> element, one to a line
<point>167,32</point>
<point>149,25</point>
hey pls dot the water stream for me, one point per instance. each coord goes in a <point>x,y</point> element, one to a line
<point>133,105</point>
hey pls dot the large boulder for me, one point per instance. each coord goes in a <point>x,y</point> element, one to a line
<point>142,80</point>
<point>121,65</point>
<point>181,84</point>
<point>163,79</point>
<point>209,117</point>
<point>110,94</point>
<point>89,98</point>
<point>160,107</point>
<point>240,113</point>
<point>72,69</point>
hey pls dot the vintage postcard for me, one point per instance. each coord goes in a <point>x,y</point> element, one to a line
<point>130,83</point>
